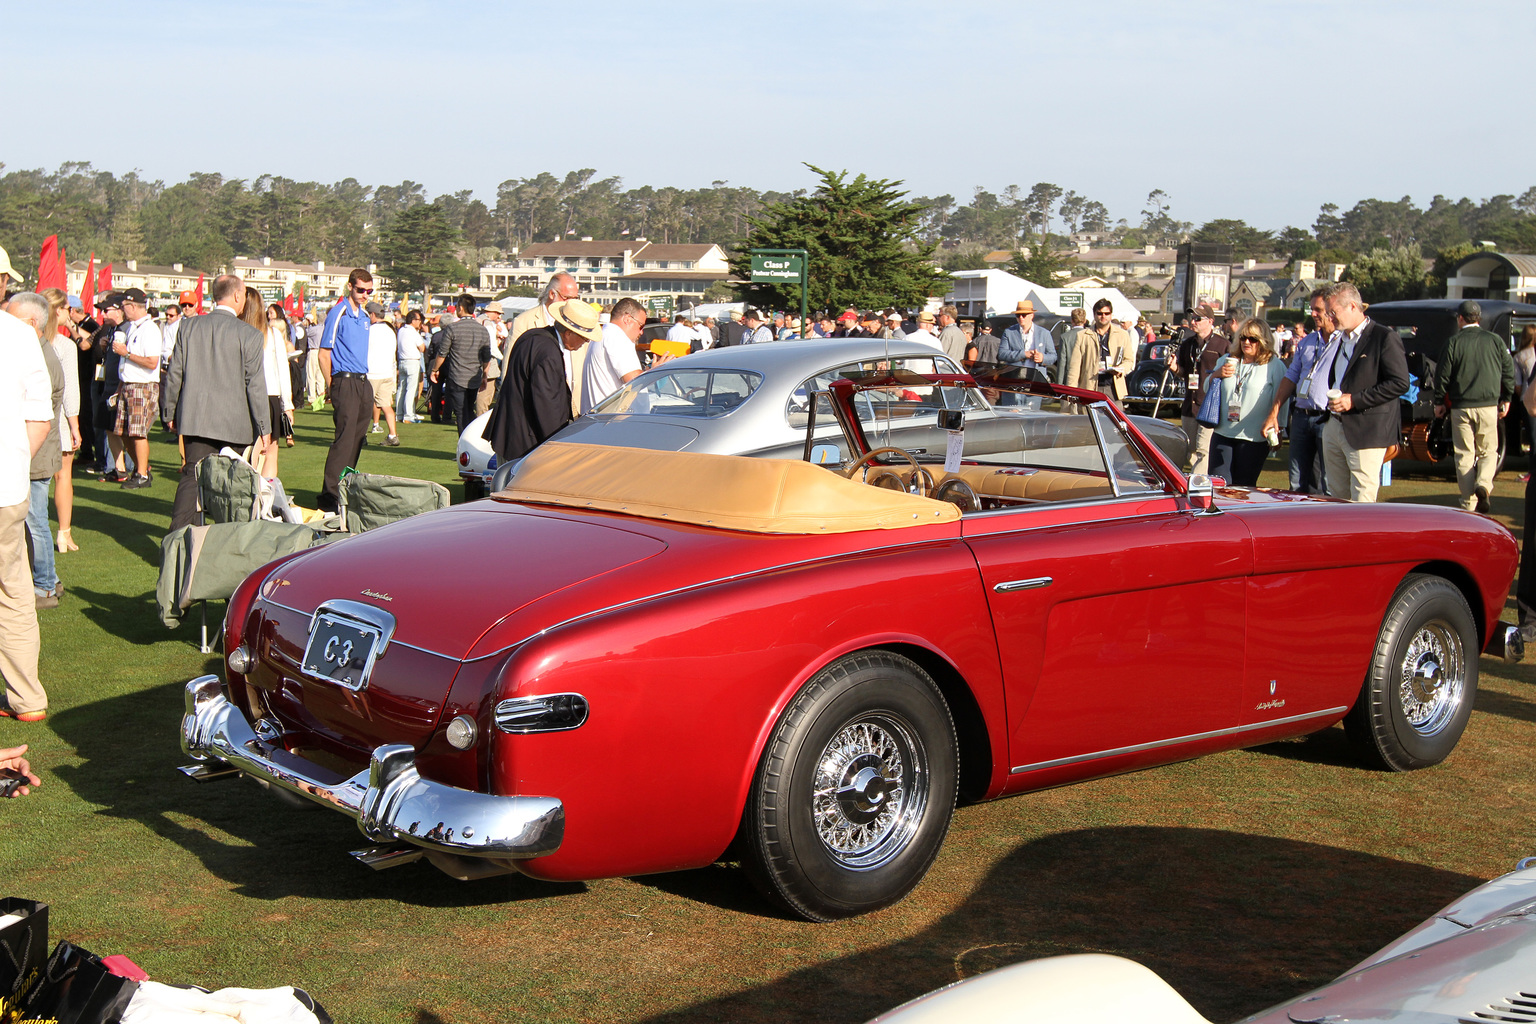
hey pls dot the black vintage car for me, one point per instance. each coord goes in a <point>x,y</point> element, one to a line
<point>1425,325</point>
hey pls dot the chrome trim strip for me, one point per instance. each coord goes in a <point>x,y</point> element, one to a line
<point>1010,586</point>
<point>390,800</point>
<point>1155,744</point>
<point>1079,503</point>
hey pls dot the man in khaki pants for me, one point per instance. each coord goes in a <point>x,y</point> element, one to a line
<point>1474,384</point>
<point>26,408</point>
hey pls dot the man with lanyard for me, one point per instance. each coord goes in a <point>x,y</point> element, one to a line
<point>757,332</point>
<point>344,365</point>
<point>1306,423</point>
<point>1197,356</point>
<point>1364,373</point>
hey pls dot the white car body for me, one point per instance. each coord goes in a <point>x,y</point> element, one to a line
<point>1474,961</point>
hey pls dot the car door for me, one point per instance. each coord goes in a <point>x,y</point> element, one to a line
<point>1120,618</point>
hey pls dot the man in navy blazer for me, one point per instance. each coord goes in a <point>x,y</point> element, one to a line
<point>1361,375</point>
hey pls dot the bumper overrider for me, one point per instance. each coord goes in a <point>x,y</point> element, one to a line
<point>391,801</point>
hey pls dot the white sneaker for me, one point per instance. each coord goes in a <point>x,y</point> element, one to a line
<point>376,429</point>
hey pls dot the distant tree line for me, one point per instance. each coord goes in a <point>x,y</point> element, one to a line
<point>208,219</point>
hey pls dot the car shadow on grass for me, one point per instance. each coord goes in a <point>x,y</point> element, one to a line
<point>1234,922</point>
<point>244,836</point>
<point>1329,747</point>
<point>1506,705</point>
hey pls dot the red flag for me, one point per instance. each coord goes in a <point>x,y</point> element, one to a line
<point>104,279</point>
<point>298,300</point>
<point>49,267</point>
<point>199,295</point>
<point>88,288</point>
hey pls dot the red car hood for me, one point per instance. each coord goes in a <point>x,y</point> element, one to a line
<point>449,577</point>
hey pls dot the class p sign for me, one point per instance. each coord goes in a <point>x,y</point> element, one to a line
<point>777,269</point>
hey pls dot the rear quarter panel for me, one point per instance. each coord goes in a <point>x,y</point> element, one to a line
<point>685,691</point>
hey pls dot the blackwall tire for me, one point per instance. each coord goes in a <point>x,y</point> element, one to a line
<point>855,789</point>
<point>1418,694</point>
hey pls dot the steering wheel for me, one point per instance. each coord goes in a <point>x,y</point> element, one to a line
<point>863,460</point>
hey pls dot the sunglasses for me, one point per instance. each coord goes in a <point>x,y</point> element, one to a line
<point>1104,312</point>
<point>1248,339</point>
<point>363,291</point>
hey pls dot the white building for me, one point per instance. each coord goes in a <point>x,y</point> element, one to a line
<point>156,281</point>
<point>276,278</point>
<point>622,267</point>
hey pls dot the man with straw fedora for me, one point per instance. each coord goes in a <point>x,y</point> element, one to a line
<point>535,397</point>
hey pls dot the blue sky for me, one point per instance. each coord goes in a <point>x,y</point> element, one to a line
<point>1258,110</point>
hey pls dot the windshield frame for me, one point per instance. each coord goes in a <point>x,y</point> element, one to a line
<point>844,393</point>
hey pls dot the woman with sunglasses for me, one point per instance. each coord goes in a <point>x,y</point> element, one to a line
<point>1250,377</point>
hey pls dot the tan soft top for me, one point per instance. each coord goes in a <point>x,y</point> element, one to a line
<point>728,491</point>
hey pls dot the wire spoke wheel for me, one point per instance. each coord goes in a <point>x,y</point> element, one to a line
<point>1432,677</point>
<point>855,789</point>
<point>870,791</point>
<point>1418,694</point>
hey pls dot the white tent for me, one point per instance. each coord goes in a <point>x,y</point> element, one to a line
<point>1062,301</point>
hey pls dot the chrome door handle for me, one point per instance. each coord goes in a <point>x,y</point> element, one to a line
<point>1010,586</point>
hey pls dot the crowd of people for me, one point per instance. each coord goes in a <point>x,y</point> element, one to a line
<point>94,382</point>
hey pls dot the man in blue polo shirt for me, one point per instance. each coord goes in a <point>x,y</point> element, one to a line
<point>1307,417</point>
<point>344,364</point>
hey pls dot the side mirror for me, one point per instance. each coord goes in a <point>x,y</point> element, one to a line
<point>825,455</point>
<point>1201,492</point>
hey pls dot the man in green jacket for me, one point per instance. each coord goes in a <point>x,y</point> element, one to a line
<point>1474,385</point>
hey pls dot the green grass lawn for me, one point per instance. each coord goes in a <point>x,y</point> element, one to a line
<point>1243,878</point>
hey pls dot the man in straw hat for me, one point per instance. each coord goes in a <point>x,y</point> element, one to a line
<point>1026,343</point>
<point>535,397</point>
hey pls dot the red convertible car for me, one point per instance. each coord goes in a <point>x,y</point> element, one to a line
<point>644,660</point>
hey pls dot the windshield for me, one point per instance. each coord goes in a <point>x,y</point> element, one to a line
<point>698,393</point>
<point>1018,435</point>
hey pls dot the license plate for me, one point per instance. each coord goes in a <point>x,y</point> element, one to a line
<point>340,650</point>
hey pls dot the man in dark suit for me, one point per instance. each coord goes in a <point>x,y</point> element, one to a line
<point>1361,375</point>
<point>535,399</point>
<point>216,390</point>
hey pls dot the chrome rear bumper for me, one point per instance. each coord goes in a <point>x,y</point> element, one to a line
<point>1507,643</point>
<point>391,802</point>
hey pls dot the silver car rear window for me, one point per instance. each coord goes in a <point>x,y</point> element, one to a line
<point>701,393</point>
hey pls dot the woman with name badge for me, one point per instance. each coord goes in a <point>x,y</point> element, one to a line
<point>1250,377</point>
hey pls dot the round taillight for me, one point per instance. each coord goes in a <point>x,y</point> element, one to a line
<point>241,660</point>
<point>463,458</point>
<point>461,732</point>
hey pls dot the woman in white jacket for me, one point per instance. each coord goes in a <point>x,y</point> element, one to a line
<point>279,384</point>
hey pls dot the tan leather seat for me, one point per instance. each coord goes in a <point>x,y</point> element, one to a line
<point>1034,485</point>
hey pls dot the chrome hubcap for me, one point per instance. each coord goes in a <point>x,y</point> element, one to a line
<point>870,790</point>
<point>1432,677</point>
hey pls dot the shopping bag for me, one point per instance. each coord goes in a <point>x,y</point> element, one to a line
<point>77,988</point>
<point>1209,413</point>
<point>23,951</point>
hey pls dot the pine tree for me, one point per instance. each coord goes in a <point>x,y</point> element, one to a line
<point>861,238</point>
